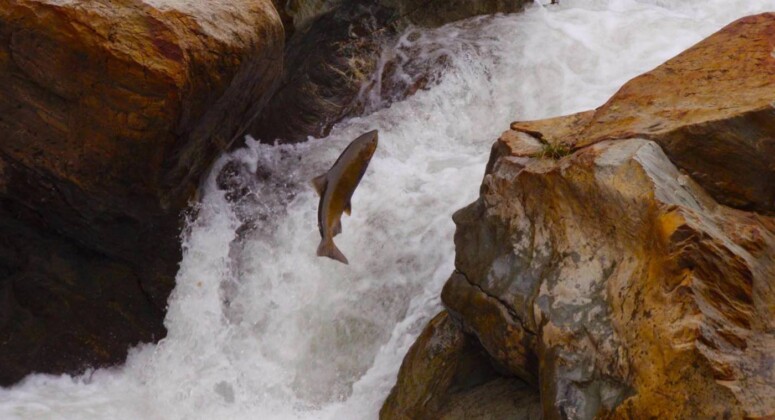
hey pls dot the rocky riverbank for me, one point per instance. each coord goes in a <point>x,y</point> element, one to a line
<point>113,110</point>
<point>110,113</point>
<point>619,262</point>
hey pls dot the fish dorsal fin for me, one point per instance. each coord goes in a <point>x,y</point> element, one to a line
<point>348,208</point>
<point>320,182</point>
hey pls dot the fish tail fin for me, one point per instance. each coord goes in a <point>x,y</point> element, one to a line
<point>327,248</point>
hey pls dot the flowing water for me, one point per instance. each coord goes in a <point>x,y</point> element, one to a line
<point>259,327</point>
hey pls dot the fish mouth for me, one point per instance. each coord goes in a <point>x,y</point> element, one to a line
<point>367,142</point>
<point>370,140</point>
<point>372,136</point>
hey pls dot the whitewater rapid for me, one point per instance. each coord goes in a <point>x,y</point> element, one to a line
<point>259,327</point>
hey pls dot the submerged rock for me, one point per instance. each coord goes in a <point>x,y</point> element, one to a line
<point>607,266</point>
<point>111,111</point>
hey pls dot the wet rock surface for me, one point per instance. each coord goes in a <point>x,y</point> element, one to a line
<point>326,63</point>
<point>336,49</point>
<point>64,307</point>
<point>632,278</point>
<point>613,270</point>
<point>710,108</point>
<point>111,111</point>
<point>425,13</point>
<point>433,13</point>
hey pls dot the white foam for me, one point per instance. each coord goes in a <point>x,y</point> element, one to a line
<point>261,328</point>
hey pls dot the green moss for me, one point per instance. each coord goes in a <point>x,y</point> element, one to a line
<point>554,151</point>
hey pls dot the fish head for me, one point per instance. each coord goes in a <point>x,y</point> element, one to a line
<point>370,141</point>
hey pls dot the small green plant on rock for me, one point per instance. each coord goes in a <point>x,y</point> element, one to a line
<point>554,151</point>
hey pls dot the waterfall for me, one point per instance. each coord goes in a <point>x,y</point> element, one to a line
<point>261,328</point>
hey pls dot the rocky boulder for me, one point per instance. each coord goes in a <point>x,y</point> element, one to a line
<point>426,13</point>
<point>326,63</point>
<point>448,375</point>
<point>335,52</point>
<point>619,284</point>
<point>621,271</point>
<point>301,12</point>
<point>111,111</point>
<point>710,109</point>
<point>433,13</point>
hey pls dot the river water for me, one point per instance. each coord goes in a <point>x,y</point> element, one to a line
<point>259,327</point>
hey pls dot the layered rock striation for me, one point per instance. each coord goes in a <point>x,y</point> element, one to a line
<point>621,261</point>
<point>110,113</point>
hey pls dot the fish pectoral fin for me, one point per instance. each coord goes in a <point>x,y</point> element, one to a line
<point>337,228</point>
<point>320,182</point>
<point>348,208</point>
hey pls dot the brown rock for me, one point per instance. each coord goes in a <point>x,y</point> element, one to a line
<point>332,58</point>
<point>303,12</point>
<point>647,298</point>
<point>426,13</point>
<point>447,375</point>
<point>111,111</point>
<point>499,399</point>
<point>326,63</point>
<point>620,277</point>
<point>507,340</point>
<point>432,13</point>
<point>710,108</point>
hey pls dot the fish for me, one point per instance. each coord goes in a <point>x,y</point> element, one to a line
<point>335,188</point>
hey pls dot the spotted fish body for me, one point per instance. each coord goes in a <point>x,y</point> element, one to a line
<point>336,188</point>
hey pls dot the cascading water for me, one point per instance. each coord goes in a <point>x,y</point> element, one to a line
<point>259,327</point>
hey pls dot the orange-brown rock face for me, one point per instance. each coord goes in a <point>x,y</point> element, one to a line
<point>110,112</point>
<point>620,281</point>
<point>710,108</point>
<point>447,375</point>
<point>599,265</point>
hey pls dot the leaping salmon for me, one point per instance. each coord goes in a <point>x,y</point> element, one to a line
<point>336,188</point>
